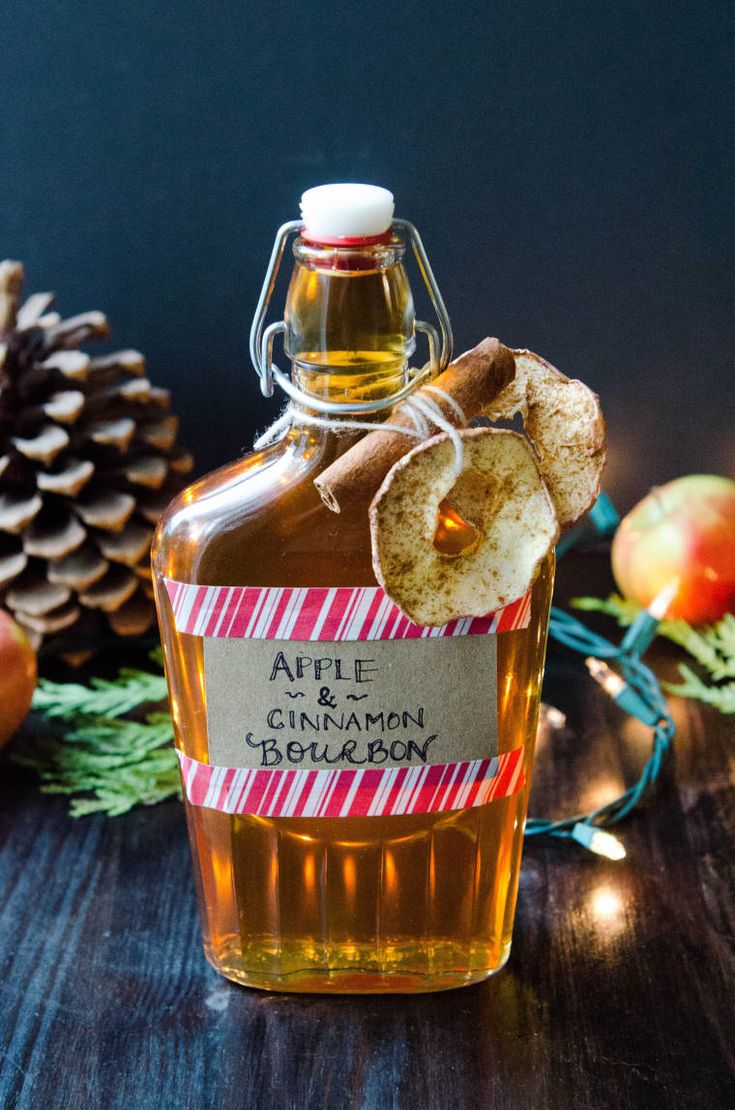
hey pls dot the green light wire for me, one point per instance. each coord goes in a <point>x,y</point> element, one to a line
<point>640,679</point>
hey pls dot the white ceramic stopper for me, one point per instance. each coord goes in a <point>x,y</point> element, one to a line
<point>346,211</point>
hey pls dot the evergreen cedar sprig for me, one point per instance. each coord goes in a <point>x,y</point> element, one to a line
<point>102,698</point>
<point>106,761</point>
<point>721,697</point>
<point>713,647</point>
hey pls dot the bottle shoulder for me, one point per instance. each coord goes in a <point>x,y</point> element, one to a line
<point>260,521</point>
<point>240,489</point>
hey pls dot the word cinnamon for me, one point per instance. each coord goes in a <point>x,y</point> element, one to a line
<point>473,381</point>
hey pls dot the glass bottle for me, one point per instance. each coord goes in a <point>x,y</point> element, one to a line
<point>388,903</point>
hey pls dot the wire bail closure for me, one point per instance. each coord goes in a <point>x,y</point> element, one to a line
<point>262,337</point>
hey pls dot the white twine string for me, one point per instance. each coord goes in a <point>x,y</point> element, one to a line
<point>422,410</point>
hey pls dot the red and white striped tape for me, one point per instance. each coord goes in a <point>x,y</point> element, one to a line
<point>361,792</point>
<point>318,613</point>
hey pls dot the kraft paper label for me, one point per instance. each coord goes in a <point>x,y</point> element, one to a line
<point>286,705</point>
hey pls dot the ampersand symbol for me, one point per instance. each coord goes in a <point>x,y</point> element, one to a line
<point>326,699</point>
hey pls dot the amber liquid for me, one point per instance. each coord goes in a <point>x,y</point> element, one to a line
<point>349,331</point>
<point>379,904</point>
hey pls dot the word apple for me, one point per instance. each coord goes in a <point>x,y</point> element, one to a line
<point>17,676</point>
<point>682,532</point>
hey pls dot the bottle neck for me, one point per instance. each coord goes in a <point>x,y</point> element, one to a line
<point>349,320</point>
<point>366,381</point>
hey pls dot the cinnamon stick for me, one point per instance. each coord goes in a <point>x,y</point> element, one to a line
<point>473,381</point>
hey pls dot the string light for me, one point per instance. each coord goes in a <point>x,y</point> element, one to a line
<point>635,689</point>
<point>621,692</point>
<point>554,718</point>
<point>598,841</point>
<point>611,683</point>
<point>644,629</point>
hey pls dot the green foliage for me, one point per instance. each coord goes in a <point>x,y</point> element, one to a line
<point>107,761</point>
<point>713,647</point>
<point>102,698</point>
<point>692,686</point>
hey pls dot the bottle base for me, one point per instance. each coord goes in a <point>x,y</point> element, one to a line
<point>445,974</point>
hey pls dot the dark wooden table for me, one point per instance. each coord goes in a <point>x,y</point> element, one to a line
<point>619,991</point>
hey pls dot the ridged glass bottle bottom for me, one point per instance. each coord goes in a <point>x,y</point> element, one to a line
<point>403,969</point>
<point>418,902</point>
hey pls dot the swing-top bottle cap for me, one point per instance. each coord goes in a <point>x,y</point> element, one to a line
<point>346,214</point>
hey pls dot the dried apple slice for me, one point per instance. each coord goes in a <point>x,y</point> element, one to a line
<point>508,505</point>
<point>563,419</point>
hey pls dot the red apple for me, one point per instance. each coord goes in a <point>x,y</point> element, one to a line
<point>17,676</point>
<point>684,532</point>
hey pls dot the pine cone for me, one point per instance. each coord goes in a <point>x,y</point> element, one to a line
<point>88,461</point>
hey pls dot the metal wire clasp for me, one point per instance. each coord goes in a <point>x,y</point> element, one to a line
<point>262,337</point>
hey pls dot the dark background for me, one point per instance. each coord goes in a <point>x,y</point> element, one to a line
<point>568,165</point>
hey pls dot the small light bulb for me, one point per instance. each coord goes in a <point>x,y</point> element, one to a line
<point>621,693</point>
<point>611,683</point>
<point>659,607</point>
<point>644,629</point>
<point>607,845</point>
<point>599,841</point>
<point>554,718</point>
